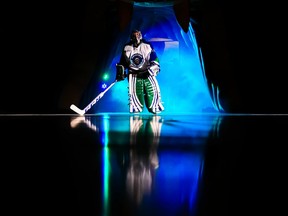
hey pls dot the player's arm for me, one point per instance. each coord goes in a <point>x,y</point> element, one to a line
<point>154,67</point>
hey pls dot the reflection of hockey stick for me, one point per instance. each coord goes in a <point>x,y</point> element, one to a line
<point>82,112</point>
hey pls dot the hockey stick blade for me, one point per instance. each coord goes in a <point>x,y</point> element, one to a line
<point>95,100</point>
<point>77,110</point>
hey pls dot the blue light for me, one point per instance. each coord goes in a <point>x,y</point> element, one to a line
<point>104,85</point>
<point>182,80</point>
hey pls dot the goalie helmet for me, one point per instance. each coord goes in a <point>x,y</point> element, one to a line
<point>136,37</point>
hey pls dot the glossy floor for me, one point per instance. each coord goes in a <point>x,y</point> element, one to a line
<point>122,164</point>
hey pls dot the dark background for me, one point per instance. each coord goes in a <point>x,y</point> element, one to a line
<point>49,50</point>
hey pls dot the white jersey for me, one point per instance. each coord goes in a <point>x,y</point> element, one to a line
<point>139,57</point>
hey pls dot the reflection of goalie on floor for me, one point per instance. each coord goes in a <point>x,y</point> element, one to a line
<point>141,162</point>
<point>143,158</point>
<point>142,63</point>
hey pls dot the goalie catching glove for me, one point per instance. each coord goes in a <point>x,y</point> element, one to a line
<point>120,72</point>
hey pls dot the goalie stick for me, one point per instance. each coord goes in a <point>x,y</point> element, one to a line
<point>95,100</point>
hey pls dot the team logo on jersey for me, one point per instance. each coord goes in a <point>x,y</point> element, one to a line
<point>137,60</point>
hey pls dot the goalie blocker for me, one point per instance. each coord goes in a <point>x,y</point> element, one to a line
<point>120,72</point>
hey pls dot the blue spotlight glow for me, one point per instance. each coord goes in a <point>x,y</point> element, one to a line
<point>176,185</point>
<point>182,80</point>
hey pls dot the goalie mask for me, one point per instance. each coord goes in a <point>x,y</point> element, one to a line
<point>136,37</point>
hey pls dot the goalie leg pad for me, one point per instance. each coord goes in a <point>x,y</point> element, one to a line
<point>136,97</point>
<point>153,96</point>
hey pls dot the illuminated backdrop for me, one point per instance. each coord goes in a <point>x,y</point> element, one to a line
<point>182,77</point>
